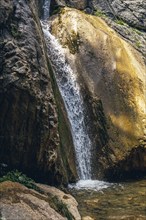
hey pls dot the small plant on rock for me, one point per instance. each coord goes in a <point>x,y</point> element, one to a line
<point>16,176</point>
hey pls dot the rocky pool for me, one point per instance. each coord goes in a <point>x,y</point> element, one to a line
<point>112,201</point>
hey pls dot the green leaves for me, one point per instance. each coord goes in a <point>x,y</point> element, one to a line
<point>16,176</point>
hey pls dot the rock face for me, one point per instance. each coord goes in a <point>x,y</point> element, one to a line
<point>34,131</point>
<point>128,18</point>
<point>82,4</point>
<point>79,4</point>
<point>133,11</point>
<point>19,202</point>
<point>112,75</point>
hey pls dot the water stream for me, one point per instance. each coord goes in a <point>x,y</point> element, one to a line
<point>46,9</point>
<point>70,90</point>
<point>124,201</point>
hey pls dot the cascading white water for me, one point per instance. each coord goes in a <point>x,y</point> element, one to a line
<point>70,91</point>
<point>46,10</point>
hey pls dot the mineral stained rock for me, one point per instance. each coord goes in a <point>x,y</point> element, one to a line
<point>112,75</point>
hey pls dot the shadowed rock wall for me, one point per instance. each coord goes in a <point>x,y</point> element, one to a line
<point>34,131</point>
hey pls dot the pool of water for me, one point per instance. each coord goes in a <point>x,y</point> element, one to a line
<point>114,201</point>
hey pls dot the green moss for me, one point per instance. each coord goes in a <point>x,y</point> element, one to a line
<point>120,22</point>
<point>99,13</point>
<point>137,31</point>
<point>14,31</point>
<point>60,207</point>
<point>73,42</point>
<point>138,44</point>
<point>56,11</point>
<point>62,10</point>
<point>16,176</point>
<point>54,202</point>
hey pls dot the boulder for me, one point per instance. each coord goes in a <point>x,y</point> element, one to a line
<point>66,199</point>
<point>19,202</point>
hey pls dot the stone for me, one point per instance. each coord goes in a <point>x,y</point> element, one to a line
<point>128,18</point>
<point>87,218</point>
<point>67,199</point>
<point>79,4</point>
<point>132,12</point>
<point>19,202</point>
<point>132,35</point>
<point>30,127</point>
<point>112,75</point>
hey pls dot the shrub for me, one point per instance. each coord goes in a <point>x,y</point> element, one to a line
<point>16,176</point>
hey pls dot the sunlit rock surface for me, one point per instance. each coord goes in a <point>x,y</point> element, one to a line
<point>128,18</point>
<point>112,75</point>
<point>19,202</point>
<point>66,199</point>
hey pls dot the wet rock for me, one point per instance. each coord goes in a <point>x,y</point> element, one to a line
<point>29,121</point>
<point>81,5</point>
<point>112,75</point>
<point>128,18</point>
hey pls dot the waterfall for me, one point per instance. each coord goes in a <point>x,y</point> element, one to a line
<point>46,10</point>
<point>70,90</point>
<point>71,93</point>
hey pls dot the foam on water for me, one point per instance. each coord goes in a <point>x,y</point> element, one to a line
<point>95,185</point>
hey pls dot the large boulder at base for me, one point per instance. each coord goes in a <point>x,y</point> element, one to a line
<point>34,129</point>
<point>66,199</point>
<point>18,202</point>
<point>112,76</point>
